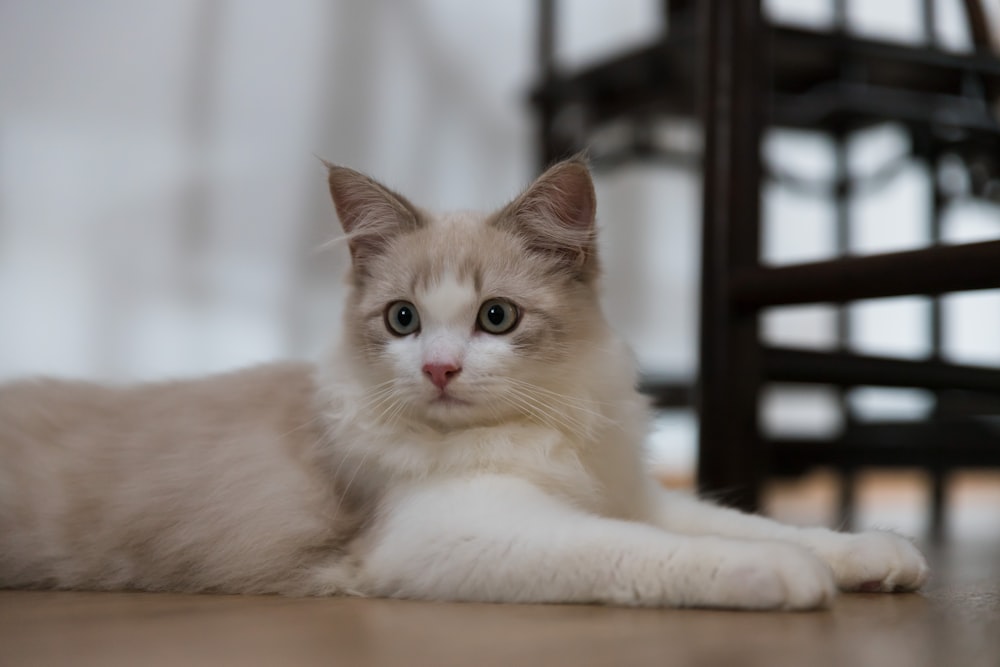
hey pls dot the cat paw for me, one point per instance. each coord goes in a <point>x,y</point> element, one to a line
<point>875,561</point>
<point>772,576</point>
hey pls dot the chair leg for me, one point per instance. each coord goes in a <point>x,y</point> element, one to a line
<point>847,499</point>
<point>730,457</point>
<point>938,498</point>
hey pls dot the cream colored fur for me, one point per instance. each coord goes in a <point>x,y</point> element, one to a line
<point>518,478</point>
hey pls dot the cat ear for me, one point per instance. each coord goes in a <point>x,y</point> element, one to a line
<point>556,217</point>
<point>370,213</point>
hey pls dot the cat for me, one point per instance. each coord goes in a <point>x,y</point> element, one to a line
<point>474,434</point>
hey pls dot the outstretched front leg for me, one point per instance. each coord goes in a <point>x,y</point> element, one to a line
<point>501,539</point>
<point>870,561</point>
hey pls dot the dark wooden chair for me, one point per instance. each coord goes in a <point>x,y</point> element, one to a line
<point>722,62</point>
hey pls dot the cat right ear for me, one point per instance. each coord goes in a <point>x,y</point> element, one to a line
<point>555,217</point>
<point>370,213</point>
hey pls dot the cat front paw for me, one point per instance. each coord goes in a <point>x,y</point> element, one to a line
<point>772,576</point>
<point>874,561</point>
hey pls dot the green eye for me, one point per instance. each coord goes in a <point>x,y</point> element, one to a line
<point>497,316</point>
<point>401,318</point>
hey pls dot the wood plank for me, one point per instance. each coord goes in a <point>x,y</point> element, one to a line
<point>956,623</point>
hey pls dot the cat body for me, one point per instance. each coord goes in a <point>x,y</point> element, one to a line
<point>214,484</point>
<point>473,434</point>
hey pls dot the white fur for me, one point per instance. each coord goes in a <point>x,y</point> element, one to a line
<point>565,512</point>
<point>500,538</point>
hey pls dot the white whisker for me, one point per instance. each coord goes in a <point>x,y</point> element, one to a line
<point>589,407</point>
<point>544,414</point>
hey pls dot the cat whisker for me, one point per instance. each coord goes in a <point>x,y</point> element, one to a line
<point>389,407</point>
<point>556,421</point>
<point>527,410</point>
<point>376,399</point>
<point>581,427</point>
<point>580,405</point>
<point>395,410</point>
<point>357,469</point>
<point>546,415</point>
<point>567,398</point>
<point>301,426</point>
<point>386,408</point>
<point>377,395</point>
<point>568,402</point>
<point>524,383</point>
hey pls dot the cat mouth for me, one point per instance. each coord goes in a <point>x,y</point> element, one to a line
<point>446,399</point>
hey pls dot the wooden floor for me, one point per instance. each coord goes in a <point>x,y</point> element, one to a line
<point>955,622</point>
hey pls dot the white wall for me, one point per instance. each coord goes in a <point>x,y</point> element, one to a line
<point>161,206</point>
<point>161,201</point>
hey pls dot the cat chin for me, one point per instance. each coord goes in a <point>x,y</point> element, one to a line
<point>450,411</point>
<point>453,413</point>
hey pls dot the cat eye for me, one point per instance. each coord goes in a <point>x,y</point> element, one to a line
<point>401,318</point>
<point>497,316</point>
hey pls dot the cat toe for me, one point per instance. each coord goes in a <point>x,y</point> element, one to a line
<point>877,561</point>
<point>778,576</point>
<point>913,570</point>
<point>809,584</point>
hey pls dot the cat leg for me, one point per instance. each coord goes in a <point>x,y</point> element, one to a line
<point>869,561</point>
<point>501,539</point>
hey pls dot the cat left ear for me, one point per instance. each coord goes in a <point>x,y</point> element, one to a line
<point>556,216</point>
<point>370,213</point>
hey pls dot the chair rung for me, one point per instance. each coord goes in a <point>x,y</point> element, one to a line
<point>666,393</point>
<point>838,368</point>
<point>934,270</point>
<point>890,445</point>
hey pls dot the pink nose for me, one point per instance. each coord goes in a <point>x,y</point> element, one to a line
<point>441,374</point>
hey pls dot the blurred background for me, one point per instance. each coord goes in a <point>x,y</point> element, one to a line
<point>163,211</point>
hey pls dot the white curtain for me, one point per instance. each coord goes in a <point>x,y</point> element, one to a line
<point>161,203</point>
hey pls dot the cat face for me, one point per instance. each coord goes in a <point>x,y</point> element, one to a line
<point>465,318</point>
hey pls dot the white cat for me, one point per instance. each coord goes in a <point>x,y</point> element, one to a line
<point>474,435</point>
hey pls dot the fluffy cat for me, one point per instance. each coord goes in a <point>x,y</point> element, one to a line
<point>474,434</point>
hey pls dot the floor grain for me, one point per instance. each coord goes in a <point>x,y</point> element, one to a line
<point>955,622</point>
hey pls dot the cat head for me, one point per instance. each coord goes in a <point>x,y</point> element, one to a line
<point>461,319</point>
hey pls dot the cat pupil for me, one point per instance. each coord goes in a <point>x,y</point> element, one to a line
<point>496,315</point>
<point>404,317</point>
